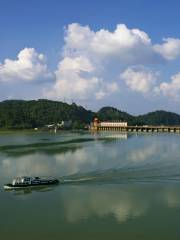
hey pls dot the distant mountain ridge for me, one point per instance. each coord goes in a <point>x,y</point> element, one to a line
<point>21,114</point>
<point>158,117</point>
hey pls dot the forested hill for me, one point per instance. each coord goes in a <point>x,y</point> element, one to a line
<point>31,114</point>
<point>152,118</point>
<point>20,114</point>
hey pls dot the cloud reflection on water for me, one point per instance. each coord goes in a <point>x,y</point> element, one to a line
<point>139,157</point>
<point>141,152</point>
<point>101,202</point>
<point>122,202</point>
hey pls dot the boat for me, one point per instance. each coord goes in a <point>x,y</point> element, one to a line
<point>25,182</point>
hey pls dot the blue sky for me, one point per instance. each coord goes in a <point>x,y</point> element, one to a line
<point>75,51</point>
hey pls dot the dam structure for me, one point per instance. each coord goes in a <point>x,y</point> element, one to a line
<point>97,125</point>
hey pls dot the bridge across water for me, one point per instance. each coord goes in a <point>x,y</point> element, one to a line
<point>175,129</point>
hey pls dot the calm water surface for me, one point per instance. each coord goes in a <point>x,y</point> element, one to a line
<point>118,186</point>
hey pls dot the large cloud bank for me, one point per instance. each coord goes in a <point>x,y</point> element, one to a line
<point>94,64</point>
<point>99,64</point>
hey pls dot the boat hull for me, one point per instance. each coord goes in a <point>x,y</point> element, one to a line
<point>21,186</point>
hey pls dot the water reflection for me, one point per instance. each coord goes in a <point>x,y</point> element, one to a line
<point>117,136</point>
<point>30,190</point>
<point>110,135</point>
<point>122,202</point>
<point>137,157</point>
<point>133,187</point>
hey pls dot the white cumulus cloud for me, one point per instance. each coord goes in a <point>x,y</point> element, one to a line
<point>29,66</point>
<point>75,80</point>
<point>170,89</point>
<point>91,62</point>
<point>126,45</point>
<point>87,67</point>
<point>139,79</point>
<point>170,49</point>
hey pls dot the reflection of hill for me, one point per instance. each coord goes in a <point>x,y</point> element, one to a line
<point>49,150</point>
<point>56,147</point>
<point>41,146</point>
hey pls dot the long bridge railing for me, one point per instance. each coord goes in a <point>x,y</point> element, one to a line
<point>138,128</point>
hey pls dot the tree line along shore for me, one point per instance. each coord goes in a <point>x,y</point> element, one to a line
<point>21,114</point>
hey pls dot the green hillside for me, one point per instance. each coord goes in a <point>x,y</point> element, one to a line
<point>31,114</point>
<point>20,114</point>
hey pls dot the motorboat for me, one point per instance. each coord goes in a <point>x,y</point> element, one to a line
<point>24,182</point>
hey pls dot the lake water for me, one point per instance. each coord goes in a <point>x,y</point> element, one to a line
<point>118,186</point>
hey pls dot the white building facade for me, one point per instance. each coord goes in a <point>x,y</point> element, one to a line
<point>113,124</point>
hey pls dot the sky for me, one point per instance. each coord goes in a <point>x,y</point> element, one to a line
<point>119,53</point>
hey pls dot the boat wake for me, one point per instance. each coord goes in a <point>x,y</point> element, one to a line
<point>122,176</point>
